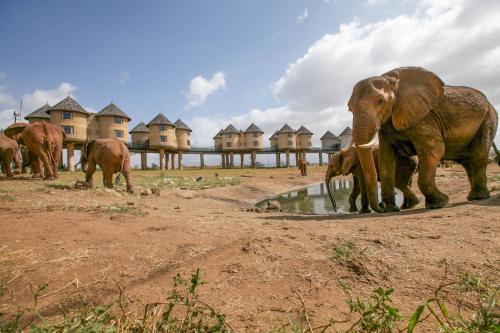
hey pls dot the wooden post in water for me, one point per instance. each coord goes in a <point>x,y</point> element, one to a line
<point>320,159</point>
<point>202,160</point>
<point>278,160</point>
<point>173,161</point>
<point>179,161</point>
<point>144,161</point>
<point>254,159</point>
<point>242,160</point>
<point>167,159</point>
<point>287,159</point>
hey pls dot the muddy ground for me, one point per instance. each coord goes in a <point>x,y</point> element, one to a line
<point>255,264</point>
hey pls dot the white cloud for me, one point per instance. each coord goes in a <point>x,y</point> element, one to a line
<point>457,39</point>
<point>375,2</point>
<point>124,78</point>
<point>35,100</point>
<point>6,99</point>
<point>200,88</point>
<point>305,14</point>
<point>3,76</point>
<point>39,97</point>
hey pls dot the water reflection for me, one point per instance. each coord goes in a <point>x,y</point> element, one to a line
<point>314,199</point>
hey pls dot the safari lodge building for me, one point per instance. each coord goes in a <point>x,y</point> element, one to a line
<point>173,140</point>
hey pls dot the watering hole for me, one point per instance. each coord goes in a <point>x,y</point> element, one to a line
<point>314,199</point>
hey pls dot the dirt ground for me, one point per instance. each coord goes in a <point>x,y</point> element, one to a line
<point>255,264</point>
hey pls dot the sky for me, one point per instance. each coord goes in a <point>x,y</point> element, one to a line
<point>217,62</point>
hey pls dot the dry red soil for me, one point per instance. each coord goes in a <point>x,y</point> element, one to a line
<point>255,264</point>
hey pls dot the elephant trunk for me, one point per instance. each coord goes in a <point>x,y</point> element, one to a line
<point>364,137</point>
<point>328,184</point>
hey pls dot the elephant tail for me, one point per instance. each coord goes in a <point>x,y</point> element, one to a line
<point>118,178</point>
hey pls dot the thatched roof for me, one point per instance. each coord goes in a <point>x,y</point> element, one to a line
<point>254,129</point>
<point>160,119</point>
<point>303,130</point>
<point>68,104</point>
<point>181,125</point>
<point>219,133</point>
<point>112,110</point>
<point>230,129</point>
<point>286,129</point>
<point>140,128</point>
<point>346,131</point>
<point>41,112</point>
<point>274,136</point>
<point>328,135</point>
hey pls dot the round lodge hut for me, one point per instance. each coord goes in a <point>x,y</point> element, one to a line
<point>218,140</point>
<point>345,137</point>
<point>140,134</point>
<point>230,138</point>
<point>304,138</point>
<point>287,138</point>
<point>39,115</point>
<point>110,122</point>
<point>72,118</point>
<point>254,137</point>
<point>162,133</point>
<point>330,141</point>
<point>274,141</point>
<point>183,135</point>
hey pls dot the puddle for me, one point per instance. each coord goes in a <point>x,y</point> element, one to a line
<point>314,199</point>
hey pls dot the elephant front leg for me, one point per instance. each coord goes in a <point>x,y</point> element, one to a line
<point>387,162</point>
<point>90,172</point>
<point>36,168</point>
<point>427,165</point>
<point>354,194</point>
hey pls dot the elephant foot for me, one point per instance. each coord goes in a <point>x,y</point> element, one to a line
<point>17,172</point>
<point>436,202</point>
<point>390,206</point>
<point>130,189</point>
<point>410,202</point>
<point>365,210</point>
<point>49,178</point>
<point>353,209</point>
<point>478,194</point>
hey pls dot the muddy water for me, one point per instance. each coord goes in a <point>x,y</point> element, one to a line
<point>314,199</point>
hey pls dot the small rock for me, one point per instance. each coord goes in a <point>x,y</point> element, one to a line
<point>273,205</point>
<point>130,203</point>
<point>82,185</point>
<point>177,207</point>
<point>146,192</point>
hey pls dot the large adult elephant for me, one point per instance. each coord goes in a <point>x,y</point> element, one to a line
<point>111,155</point>
<point>414,113</point>
<point>9,152</point>
<point>46,141</point>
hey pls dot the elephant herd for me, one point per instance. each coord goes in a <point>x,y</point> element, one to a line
<point>413,114</point>
<point>41,143</point>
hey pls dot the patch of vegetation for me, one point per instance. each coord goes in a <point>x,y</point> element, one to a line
<point>109,209</point>
<point>5,196</point>
<point>190,183</point>
<point>182,312</point>
<point>348,254</point>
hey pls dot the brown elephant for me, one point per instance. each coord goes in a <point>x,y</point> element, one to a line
<point>347,162</point>
<point>9,152</point>
<point>29,159</point>
<point>302,165</point>
<point>414,113</point>
<point>46,141</point>
<point>111,155</point>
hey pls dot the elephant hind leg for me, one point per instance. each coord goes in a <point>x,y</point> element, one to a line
<point>427,165</point>
<point>47,165</point>
<point>107,177</point>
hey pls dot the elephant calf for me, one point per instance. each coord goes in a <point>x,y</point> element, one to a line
<point>111,155</point>
<point>347,162</point>
<point>302,165</point>
<point>9,152</point>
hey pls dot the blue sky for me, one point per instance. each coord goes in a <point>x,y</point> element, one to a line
<point>160,46</point>
<point>274,61</point>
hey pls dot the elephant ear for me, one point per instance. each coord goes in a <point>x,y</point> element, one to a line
<point>349,160</point>
<point>417,91</point>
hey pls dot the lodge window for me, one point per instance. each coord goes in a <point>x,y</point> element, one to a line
<point>69,129</point>
<point>189,142</point>
<point>309,144</point>
<point>163,138</point>
<point>67,115</point>
<point>118,134</point>
<point>118,120</point>
<point>163,127</point>
<point>290,143</point>
<point>255,134</point>
<point>229,135</point>
<point>289,134</point>
<point>228,144</point>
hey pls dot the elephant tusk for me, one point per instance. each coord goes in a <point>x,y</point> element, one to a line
<point>367,145</point>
